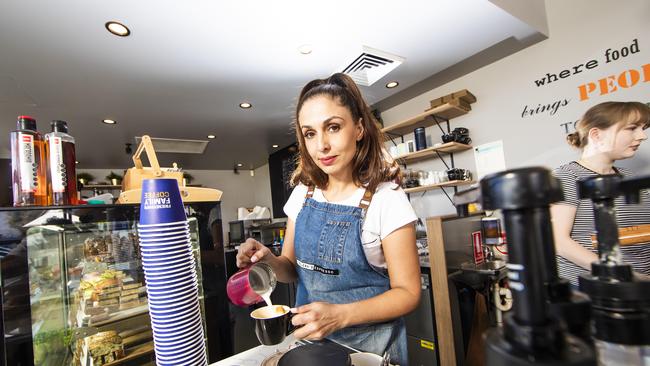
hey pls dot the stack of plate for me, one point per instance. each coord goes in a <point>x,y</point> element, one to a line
<point>170,275</point>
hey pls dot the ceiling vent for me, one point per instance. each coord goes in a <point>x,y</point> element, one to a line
<point>178,146</point>
<point>372,65</point>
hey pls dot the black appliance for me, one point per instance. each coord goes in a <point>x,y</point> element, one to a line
<point>237,232</point>
<point>621,301</point>
<point>282,163</point>
<point>420,327</point>
<point>531,334</point>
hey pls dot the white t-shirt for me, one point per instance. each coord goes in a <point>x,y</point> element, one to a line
<point>389,210</point>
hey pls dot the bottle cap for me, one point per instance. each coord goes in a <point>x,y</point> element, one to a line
<point>59,126</point>
<point>26,123</point>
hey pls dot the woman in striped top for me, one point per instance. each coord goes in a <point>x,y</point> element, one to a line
<point>607,132</point>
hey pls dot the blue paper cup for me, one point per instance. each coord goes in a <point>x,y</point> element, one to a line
<point>155,258</point>
<point>171,315</point>
<point>183,316</point>
<point>191,344</point>
<point>172,335</point>
<point>179,296</point>
<point>196,359</point>
<point>163,234</point>
<point>177,224</point>
<point>156,267</point>
<point>162,273</point>
<point>166,252</point>
<point>175,288</point>
<point>192,347</point>
<point>162,228</point>
<point>159,239</point>
<point>161,202</point>
<point>156,284</point>
<point>187,300</point>
<point>181,325</point>
<point>178,342</point>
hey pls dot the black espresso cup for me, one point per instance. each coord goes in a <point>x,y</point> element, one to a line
<point>272,324</point>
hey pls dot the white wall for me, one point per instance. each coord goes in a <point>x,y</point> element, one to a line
<point>580,30</point>
<point>239,190</point>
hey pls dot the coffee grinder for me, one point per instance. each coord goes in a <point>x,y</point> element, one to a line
<point>531,335</point>
<point>621,302</point>
<point>491,236</point>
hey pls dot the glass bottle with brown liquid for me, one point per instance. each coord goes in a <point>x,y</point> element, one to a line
<point>61,171</point>
<point>28,171</point>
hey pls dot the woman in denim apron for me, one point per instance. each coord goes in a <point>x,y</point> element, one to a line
<point>340,295</point>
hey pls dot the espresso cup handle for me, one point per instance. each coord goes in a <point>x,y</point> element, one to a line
<point>290,327</point>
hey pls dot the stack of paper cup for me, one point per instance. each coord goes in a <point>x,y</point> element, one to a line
<point>170,275</point>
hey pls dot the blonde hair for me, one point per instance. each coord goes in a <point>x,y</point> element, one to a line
<point>606,115</point>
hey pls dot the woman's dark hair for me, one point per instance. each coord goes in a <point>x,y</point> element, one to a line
<point>606,115</point>
<point>370,165</point>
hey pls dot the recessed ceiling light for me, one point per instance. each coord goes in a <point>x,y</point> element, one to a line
<point>211,136</point>
<point>275,145</point>
<point>76,162</point>
<point>305,49</point>
<point>392,84</point>
<point>240,164</point>
<point>109,121</point>
<point>117,29</point>
<point>245,105</point>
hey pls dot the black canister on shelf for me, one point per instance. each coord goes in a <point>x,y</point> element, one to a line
<point>420,139</point>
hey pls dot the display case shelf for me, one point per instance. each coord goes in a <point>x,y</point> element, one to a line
<point>118,316</point>
<point>134,353</point>
<point>446,111</point>
<point>451,183</point>
<point>431,152</point>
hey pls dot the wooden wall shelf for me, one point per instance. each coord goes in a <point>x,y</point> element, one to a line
<point>430,152</point>
<point>451,183</point>
<point>447,111</point>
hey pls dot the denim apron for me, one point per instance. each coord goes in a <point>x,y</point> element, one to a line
<point>332,267</point>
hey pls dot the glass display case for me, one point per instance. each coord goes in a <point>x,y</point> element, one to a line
<point>73,286</point>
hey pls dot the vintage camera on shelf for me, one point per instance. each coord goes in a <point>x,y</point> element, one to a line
<point>459,174</point>
<point>459,134</point>
<point>410,179</point>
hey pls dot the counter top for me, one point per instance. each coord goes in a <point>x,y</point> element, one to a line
<point>255,356</point>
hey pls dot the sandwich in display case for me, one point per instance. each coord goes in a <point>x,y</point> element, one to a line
<point>73,289</point>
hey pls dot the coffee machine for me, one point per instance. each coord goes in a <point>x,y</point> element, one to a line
<point>532,333</point>
<point>621,301</point>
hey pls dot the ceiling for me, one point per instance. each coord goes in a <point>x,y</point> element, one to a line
<point>188,64</point>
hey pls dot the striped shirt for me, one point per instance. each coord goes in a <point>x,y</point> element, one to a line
<point>638,255</point>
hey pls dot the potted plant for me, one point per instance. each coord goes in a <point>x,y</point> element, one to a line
<point>114,179</point>
<point>84,178</point>
<point>49,343</point>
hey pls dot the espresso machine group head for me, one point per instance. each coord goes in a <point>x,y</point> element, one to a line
<point>620,300</point>
<point>532,333</point>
